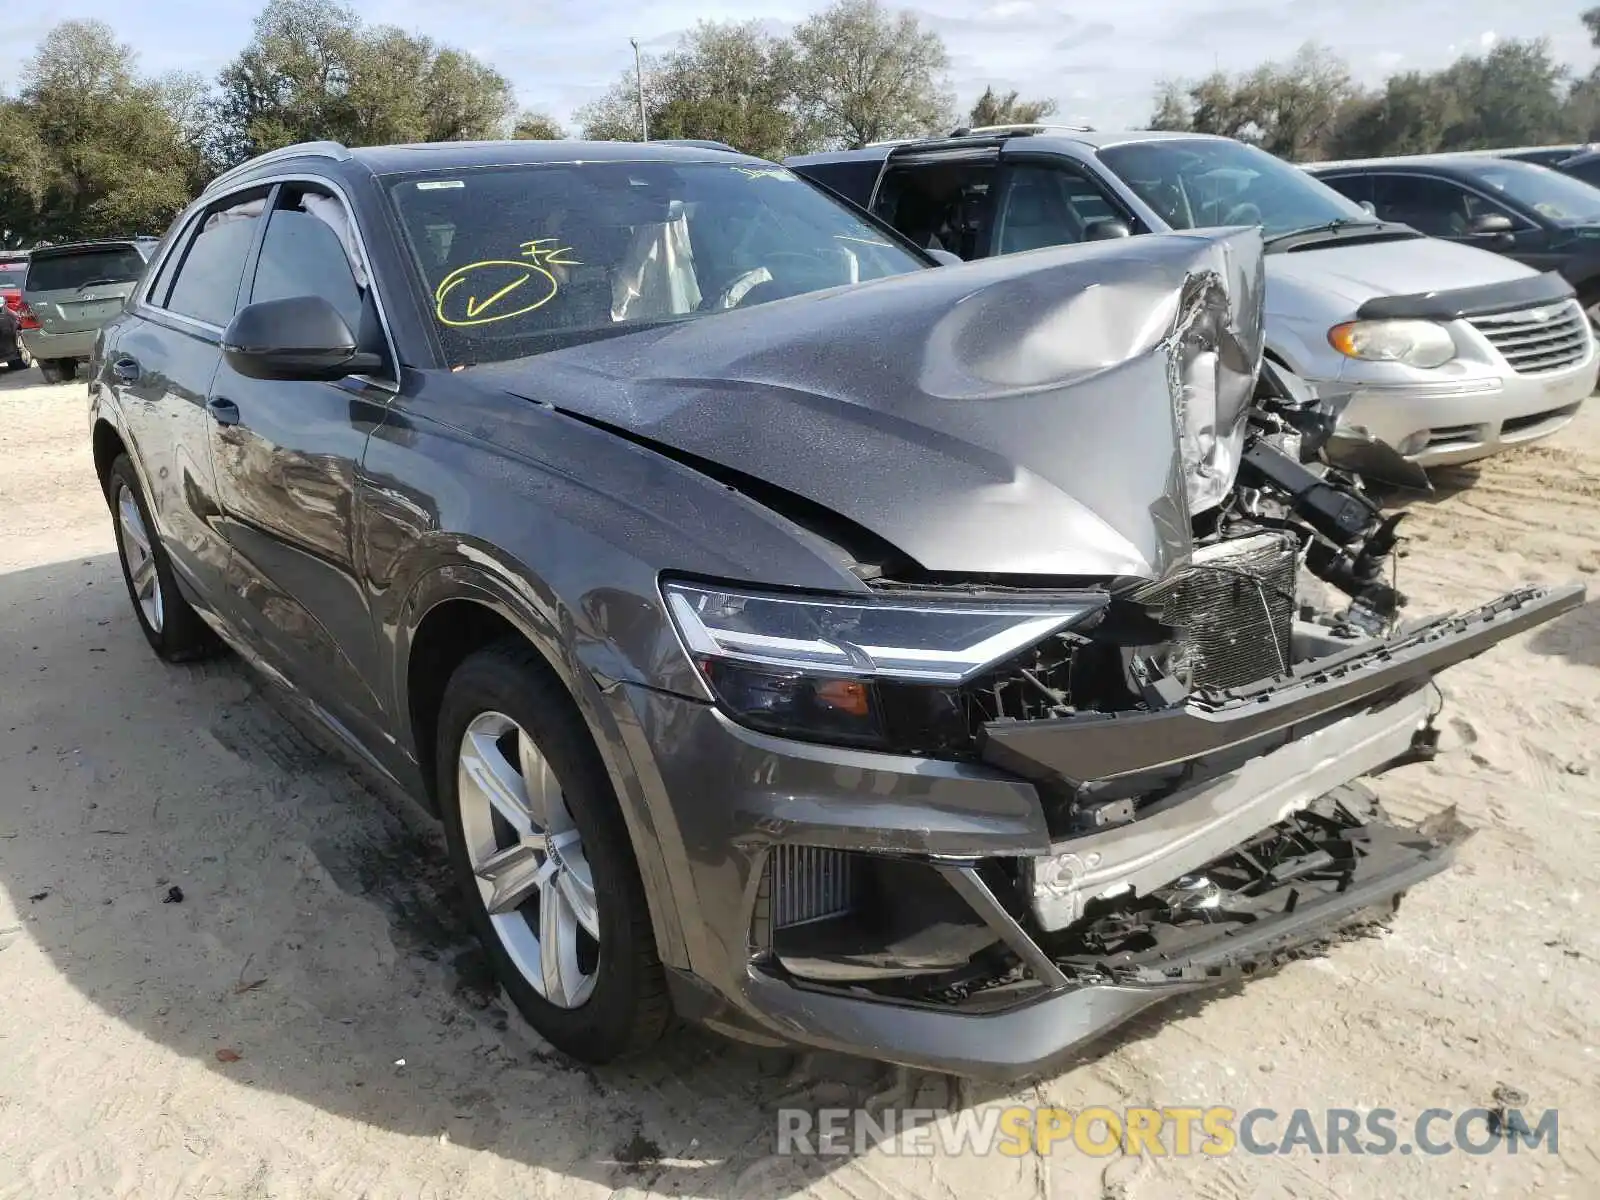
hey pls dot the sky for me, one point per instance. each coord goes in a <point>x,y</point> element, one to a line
<point>1100,62</point>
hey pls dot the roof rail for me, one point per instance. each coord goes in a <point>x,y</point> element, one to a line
<point>324,149</point>
<point>698,143</point>
<point>1020,129</point>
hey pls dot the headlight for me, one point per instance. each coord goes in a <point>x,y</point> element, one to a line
<point>862,670</point>
<point>1415,343</point>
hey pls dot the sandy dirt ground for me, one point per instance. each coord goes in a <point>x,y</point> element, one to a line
<point>311,1019</point>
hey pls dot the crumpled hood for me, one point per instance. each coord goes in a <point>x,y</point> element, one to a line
<point>1393,268</point>
<point>1060,412</point>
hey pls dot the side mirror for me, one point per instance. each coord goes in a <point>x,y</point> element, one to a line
<point>299,338</point>
<point>1490,225</point>
<point>945,258</point>
<point>1105,231</point>
<point>1372,209</point>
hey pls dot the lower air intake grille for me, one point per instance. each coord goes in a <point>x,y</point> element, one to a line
<point>810,883</point>
<point>1539,339</point>
<point>1234,605</point>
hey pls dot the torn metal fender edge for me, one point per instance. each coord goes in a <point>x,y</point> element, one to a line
<point>1097,746</point>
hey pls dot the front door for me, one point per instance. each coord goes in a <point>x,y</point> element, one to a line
<point>286,454</point>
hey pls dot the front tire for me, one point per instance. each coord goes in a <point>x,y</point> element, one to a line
<point>171,626</point>
<point>538,843</point>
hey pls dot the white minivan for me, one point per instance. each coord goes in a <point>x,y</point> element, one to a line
<point>1422,334</point>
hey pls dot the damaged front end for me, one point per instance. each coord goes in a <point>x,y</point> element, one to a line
<point>1192,734</point>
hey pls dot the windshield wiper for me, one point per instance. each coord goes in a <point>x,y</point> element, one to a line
<point>1333,226</point>
<point>98,282</point>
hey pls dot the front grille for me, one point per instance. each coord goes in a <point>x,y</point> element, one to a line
<point>1538,339</point>
<point>809,883</point>
<point>1234,607</point>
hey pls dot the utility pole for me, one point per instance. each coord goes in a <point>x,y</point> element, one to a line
<point>638,79</point>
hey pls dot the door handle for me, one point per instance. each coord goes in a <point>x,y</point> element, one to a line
<point>223,412</point>
<point>126,369</point>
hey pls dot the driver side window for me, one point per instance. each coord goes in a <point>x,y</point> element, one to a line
<point>1432,206</point>
<point>303,255</point>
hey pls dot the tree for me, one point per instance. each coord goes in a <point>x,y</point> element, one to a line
<point>537,127</point>
<point>313,71</point>
<point>865,74</point>
<point>726,82</point>
<point>1514,95</point>
<point>1291,109</point>
<point>994,109</point>
<point>89,148</point>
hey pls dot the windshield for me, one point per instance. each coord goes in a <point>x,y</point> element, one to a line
<point>520,260</point>
<point>79,268</point>
<point>1556,196</point>
<point>1193,183</point>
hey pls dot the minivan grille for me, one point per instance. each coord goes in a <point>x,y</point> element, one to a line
<point>1234,607</point>
<point>810,883</point>
<point>1538,339</point>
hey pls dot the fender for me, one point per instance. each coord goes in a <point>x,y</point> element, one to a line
<point>478,573</point>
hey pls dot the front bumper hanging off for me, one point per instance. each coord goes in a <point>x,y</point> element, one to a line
<point>1228,765</point>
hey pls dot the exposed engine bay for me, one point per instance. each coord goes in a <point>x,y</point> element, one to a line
<point>1227,618</point>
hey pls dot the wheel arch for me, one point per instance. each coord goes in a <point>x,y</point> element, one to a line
<point>107,444</point>
<point>461,607</point>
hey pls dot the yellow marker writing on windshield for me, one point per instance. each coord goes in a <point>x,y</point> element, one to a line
<point>498,289</point>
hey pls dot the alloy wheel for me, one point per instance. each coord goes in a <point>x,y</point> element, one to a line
<point>133,540</point>
<point>528,860</point>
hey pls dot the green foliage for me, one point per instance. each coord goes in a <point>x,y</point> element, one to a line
<point>312,70</point>
<point>537,127</point>
<point>731,83</point>
<point>865,74</point>
<point>1308,108</point>
<point>995,109</point>
<point>1290,109</point>
<point>88,148</point>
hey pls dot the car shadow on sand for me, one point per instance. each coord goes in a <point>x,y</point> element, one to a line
<point>318,950</point>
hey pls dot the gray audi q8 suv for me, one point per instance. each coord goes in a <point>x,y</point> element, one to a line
<point>792,633</point>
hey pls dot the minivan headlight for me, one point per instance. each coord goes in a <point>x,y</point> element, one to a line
<point>1414,343</point>
<point>872,671</point>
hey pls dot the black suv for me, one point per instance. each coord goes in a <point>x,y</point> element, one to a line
<point>832,647</point>
<point>1538,216</point>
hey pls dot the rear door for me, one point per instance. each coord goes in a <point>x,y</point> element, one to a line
<point>286,455</point>
<point>77,289</point>
<point>160,365</point>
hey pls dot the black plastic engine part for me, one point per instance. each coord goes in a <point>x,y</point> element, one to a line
<point>1339,515</point>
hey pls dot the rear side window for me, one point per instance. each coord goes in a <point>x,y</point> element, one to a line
<point>207,283</point>
<point>78,269</point>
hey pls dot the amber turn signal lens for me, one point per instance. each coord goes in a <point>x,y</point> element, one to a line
<point>846,695</point>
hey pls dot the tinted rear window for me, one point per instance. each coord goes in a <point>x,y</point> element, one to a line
<point>13,273</point>
<point>79,268</point>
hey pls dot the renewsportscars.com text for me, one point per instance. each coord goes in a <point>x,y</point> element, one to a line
<point>1174,1130</point>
